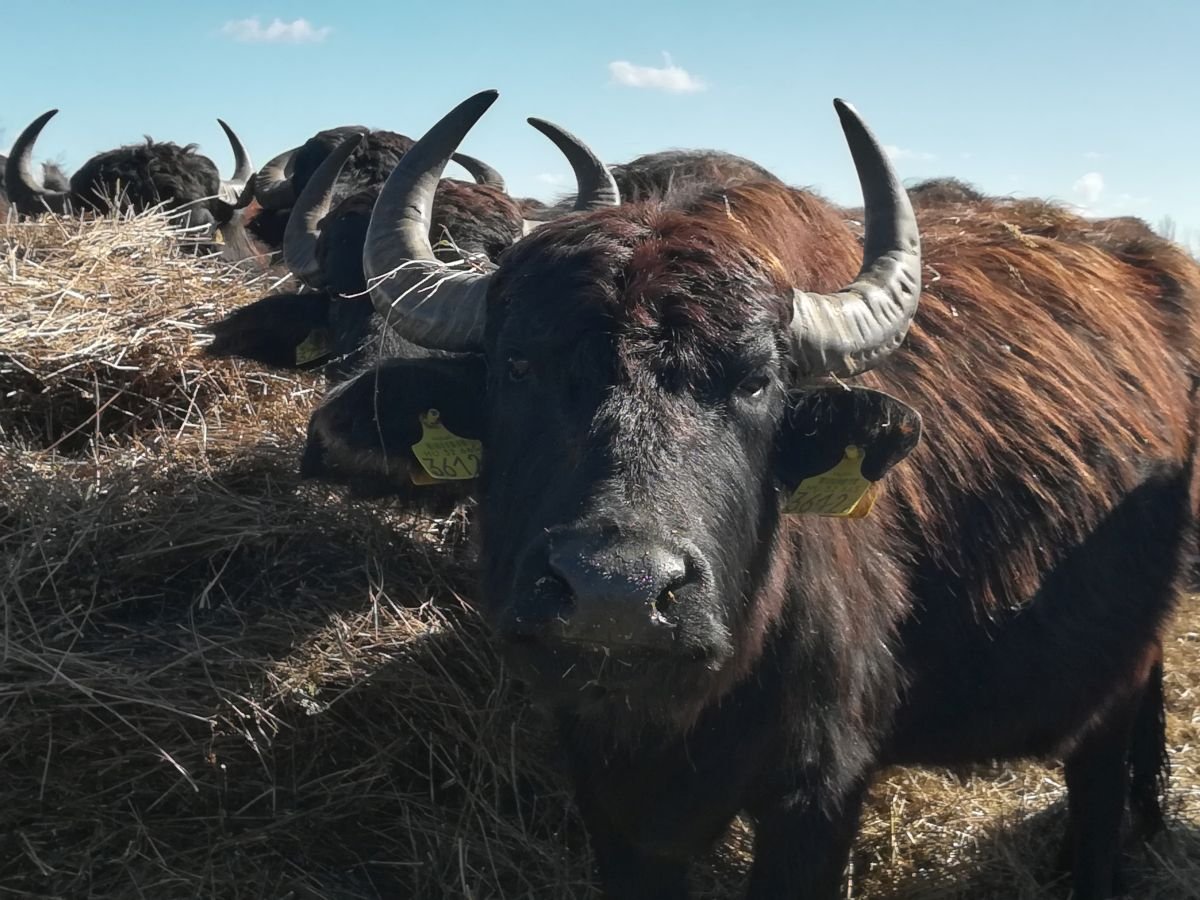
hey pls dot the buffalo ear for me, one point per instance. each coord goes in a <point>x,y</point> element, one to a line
<point>364,433</point>
<point>291,331</point>
<point>821,423</point>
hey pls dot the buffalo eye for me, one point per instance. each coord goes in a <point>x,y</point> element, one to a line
<point>754,385</point>
<point>518,369</point>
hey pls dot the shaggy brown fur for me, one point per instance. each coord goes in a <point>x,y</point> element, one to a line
<point>1070,369</point>
<point>1003,600</point>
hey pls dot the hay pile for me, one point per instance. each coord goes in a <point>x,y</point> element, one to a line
<point>96,336</point>
<point>216,681</point>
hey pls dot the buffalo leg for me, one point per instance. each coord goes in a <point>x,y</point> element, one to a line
<point>801,852</point>
<point>627,873</point>
<point>1097,785</point>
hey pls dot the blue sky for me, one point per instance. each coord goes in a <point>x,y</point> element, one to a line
<point>1093,103</point>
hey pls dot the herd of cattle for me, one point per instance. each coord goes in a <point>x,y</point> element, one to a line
<point>770,494</point>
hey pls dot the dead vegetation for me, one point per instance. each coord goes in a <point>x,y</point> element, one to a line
<point>216,681</point>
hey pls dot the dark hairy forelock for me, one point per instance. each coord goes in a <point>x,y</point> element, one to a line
<point>654,275</point>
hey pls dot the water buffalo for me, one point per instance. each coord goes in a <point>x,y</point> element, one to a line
<point>336,327</point>
<point>53,178</point>
<point>348,443</point>
<point>686,408</point>
<point>135,177</point>
<point>281,181</point>
<point>943,192</point>
<point>655,174</point>
<point>668,171</point>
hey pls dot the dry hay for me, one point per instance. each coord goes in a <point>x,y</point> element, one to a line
<point>219,682</point>
<point>98,320</point>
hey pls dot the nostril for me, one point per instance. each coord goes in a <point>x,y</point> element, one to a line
<point>666,599</point>
<point>687,574</point>
<point>552,587</point>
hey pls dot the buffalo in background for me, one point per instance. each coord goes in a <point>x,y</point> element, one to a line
<point>334,324</point>
<point>281,181</point>
<point>53,178</point>
<point>136,177</point>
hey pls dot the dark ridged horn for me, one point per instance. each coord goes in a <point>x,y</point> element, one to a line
<point>425,302</point>
<point>303,226</point>
<point>480,171</point>
<point>273,186</point>
<point>242,167</point>
<point>29,197</point>
<point>595,186</point>
<point>851,331</point>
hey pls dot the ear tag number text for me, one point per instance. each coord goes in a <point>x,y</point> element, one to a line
<point>842,491</point>
<point>443,455</point>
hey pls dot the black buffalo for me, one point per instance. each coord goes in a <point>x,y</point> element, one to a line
<point>136,177</point>
<point>333,324</point>
<point>668,171</point>
<point>346,445</point>
<point>944,192</point>
<point>283,178</point>
<point>336,327</point>
<point>684,423</point>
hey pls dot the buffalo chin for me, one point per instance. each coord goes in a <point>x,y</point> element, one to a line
<point>579,674</point>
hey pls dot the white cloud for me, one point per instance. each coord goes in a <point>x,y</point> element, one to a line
<point>1123,204</point>
<point>670,78</point>
<point>1089,187</point>
<point>252,31</point>
<point>900,153</point>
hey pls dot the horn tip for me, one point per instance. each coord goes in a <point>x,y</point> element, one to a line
<point>484,98</point>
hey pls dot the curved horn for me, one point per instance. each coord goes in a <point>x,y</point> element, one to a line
<point>29,197</point>
<point>480,171</point>
<point>225,210</point>
<point>242,167</point>
<point>273,186</point>
<point>851,331</point>
<point>424,301</point>
<point>303,226</point>
<point>246,197</point>
<point>595,186</point>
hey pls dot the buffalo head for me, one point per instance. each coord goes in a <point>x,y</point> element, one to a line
<point>653,395</point>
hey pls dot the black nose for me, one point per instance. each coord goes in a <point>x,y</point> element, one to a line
<point>617,591</point>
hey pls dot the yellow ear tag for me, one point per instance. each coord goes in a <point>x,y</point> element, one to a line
<point>442,454</point>
<point>842,491</point>
<point>312,347</point>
